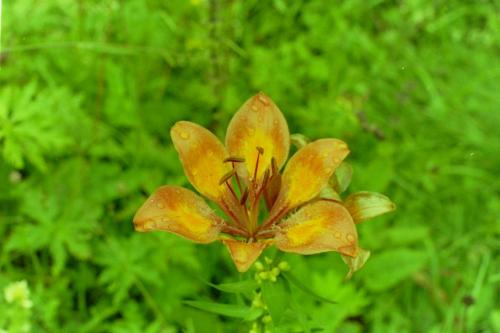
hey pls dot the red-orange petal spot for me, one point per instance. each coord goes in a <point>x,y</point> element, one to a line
<point>258,127</point>
<point>180,211</point>
<point>202,156</point>
<point>308,171</point>
<point>244,254</point>
<point>318,227</point>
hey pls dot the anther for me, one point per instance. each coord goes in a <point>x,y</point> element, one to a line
<point>234,159</point>
<point>260,150</point>
<point>227,176</point>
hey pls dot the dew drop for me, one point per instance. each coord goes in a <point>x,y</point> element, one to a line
<point>160,205</point>
<point>349,237</point>
<point>338,235</point>
<point>254,107</point>
<point>342,145</point>
<point>184,135</point>
<point>263,100</point>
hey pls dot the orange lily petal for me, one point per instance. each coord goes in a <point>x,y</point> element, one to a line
<point>180,211</point>
<point>244,254</point>
<point>202,156</point>
<point>318,227</point>
<point>258,123</point>
<point>308,171</point>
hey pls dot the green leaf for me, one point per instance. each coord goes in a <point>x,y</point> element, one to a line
<point>366,205</point>
<point>276,298</point>
<point>389,268</point>
<point>228,310</point>
<point>297,283</point>
<point>235,287</point>
<point>296,308</point>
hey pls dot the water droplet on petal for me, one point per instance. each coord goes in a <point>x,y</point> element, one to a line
<point>160,205</point>
<point>184,135</point>
<point>263,99</point>
<point>349,237</point>
<point>254,107</point>
<point>338,235</point>
<point>342,145</point>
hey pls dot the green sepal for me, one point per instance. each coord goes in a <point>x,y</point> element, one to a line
<point>366,205</point>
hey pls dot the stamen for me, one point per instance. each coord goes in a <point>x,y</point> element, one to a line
<point>244,197</point>
<point>227,176</point>
<point>234,230</point>
<point>261,188</point>
<point>274,218</point>
<point>240,188</point>
<point>234,159</point>
<point>260,151</point>
<point>227,209</point>
<point>231,190</point>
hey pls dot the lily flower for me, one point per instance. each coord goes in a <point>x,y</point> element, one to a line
<point>242,177</point>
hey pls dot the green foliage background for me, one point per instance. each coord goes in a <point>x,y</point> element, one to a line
<point>89,90</point>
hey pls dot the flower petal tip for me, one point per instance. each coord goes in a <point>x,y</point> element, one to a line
<point>244,254</point>
<point>179,211</point>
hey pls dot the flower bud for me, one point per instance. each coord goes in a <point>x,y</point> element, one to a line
<point>284,266</point>
<point>259,266</point>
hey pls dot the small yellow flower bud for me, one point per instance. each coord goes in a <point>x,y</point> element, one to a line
<point>264,275</point>
<point>267,319</point>
<point>259,266</point>
<point>275,271</point>
<point>254,329</point>
<point>284,266</point>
